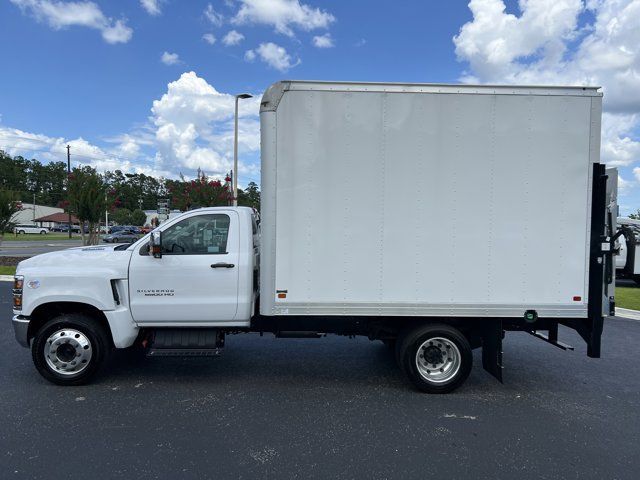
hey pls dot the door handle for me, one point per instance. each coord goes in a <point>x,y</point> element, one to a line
<point>222,265</point>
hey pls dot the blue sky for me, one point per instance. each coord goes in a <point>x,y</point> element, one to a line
<point>146,85</point>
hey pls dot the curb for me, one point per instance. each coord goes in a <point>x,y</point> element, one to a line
<point>628,313</point>
<point>6,278</point>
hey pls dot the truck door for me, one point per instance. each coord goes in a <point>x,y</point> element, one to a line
<point>195,282</point>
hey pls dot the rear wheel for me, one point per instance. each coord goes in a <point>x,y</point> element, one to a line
<point>115,240</point>
<point>20,232</point>
<point>70,349</point>
<point>435,358</point>
<point>42,232</point>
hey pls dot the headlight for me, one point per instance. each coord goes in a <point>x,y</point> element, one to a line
<point>18,284</point>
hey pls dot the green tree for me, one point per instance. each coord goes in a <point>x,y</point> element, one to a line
<point>635,216</point>
<point>8,208</point>
<point>28,177</point>
<point>138,218</point>
<point>87,200</point>
<point>12,174</point>
<point>250,196</point>
<point>122,216</point>
<point>201,192</point>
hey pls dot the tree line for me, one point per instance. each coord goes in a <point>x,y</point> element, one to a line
<point>87,193</point>
<point>133,191</point>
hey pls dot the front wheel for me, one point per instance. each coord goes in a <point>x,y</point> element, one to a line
<point>69,349</point>
<point>435,358</point>
<point>42,232</point>
<point>20,232</point>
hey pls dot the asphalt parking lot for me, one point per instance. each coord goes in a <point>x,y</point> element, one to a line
<point>328,408</point>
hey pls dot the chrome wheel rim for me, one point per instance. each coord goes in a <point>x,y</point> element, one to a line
<point>68,351</point>
<point>438,360</point>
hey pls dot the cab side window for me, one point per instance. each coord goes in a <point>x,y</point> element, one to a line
<point>199,235</point>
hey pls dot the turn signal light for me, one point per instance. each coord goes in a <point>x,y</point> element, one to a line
<point>18,283</point>
<point>17,301</point>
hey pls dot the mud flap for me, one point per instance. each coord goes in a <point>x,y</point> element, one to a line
<point>492,347</point>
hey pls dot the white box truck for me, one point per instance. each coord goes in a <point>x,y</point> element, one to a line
<point>431,217</point>
<point>627,262</point>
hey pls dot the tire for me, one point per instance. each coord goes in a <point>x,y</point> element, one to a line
<point>114,240</point>
<point>21,232</point>
<point>435,358</point>
<point>42,232</point>
<point>636,278</point>
<point>88,345</point>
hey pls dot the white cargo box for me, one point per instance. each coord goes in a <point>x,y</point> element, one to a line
<point>427,200</point>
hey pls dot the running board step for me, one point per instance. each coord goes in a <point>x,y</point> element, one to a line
<point>190,342</point>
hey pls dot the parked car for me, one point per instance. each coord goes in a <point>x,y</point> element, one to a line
<point>64,228</point>
<point>30,228</point>
<point>121,236</point>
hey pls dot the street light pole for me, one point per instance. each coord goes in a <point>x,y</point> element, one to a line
<point>68,185</point>
<point>235,150</point>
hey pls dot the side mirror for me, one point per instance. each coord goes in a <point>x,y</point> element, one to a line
<point>155,244</point>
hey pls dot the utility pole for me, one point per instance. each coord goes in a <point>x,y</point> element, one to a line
<point>68,185</point>
<point>235,150</point>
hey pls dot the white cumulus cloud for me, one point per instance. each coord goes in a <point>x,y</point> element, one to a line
<point>126,156</point>
<point>151,6</point>
<point>170,58</point>
<point>214,17</point>
<point>282,15</point>
<point>323,41</point>
<point>60,15</point>
<point>232,38</point>
<point>190,127</point>
<point>209,38</point>
<point>194,127</point>
<point>273,55</point>
<point>619,149</point>
<point>545,44</point>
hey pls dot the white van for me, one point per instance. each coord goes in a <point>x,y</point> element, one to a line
<point>30,228</point>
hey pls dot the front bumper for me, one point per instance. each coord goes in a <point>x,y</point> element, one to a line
<point>21,329</point>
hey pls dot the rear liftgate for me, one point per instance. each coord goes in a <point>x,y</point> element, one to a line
<point>601,263</point>
<point>601,282</point>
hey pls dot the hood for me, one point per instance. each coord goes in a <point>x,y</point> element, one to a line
<point>80,261</point>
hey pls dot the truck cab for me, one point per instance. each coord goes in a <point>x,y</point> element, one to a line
<point>201,274</point>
